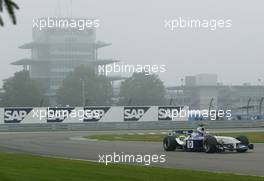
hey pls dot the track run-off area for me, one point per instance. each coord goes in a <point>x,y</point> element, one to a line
<point>71,145</point>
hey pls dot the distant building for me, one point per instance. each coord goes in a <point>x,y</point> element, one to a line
<point>200,90</point>
<point>55,52</point>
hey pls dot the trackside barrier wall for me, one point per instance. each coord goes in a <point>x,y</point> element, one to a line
<point>110,118</point>
<point>23,115</point>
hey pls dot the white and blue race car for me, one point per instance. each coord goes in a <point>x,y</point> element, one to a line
<point>200,140</point>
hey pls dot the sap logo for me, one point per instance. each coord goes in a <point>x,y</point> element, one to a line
<point>14,115</point>
<point>94,113</point>
<point>134,113</point>
<point>168,113</point>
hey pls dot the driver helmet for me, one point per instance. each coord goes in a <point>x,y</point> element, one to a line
<point>201,130</point>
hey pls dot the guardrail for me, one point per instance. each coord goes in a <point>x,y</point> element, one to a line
<point>130,125</point>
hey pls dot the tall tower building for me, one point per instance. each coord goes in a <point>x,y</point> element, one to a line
<point>55,52</point>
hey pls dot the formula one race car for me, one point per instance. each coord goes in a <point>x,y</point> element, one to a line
<point>200,140</point>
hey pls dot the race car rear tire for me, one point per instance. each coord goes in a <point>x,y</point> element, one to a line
<point>209,144</point>
<point>244,141</point>
<point>169,143</point>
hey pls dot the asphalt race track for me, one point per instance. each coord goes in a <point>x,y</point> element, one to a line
<point>67,144</point>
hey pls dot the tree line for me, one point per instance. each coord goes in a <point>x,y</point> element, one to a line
<point>83,82</point>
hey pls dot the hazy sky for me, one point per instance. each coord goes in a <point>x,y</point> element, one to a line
<point>136,31</point>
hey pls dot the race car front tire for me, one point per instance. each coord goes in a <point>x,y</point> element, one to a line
<point>169,143</point>
<point>209,144</point>
<point>244,141</point>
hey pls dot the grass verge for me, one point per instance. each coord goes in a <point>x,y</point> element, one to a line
<point>19,167</point>
<point>254,137</point>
